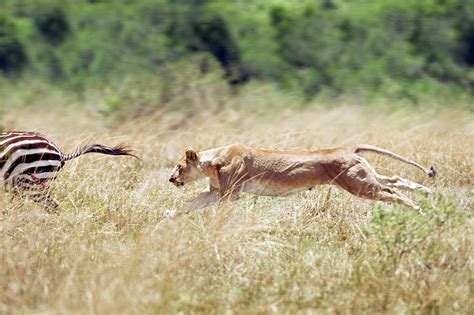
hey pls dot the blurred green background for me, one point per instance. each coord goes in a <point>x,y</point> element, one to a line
<point>399,49</point>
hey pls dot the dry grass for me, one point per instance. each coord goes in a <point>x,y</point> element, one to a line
<point>109,250</point>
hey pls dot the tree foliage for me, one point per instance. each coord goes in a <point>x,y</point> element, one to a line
<point>338,45</point>
<point>12,53</point>
<point>53,25</point>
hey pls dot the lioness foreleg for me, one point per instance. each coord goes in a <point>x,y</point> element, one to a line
<point>202,200</point>
<point>231,177</point>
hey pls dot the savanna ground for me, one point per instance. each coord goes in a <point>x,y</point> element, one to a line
<point>109,249</point>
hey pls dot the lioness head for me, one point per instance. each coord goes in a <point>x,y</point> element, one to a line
<point>187,170</point>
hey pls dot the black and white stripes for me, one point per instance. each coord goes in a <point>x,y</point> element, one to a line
<point>29,162</point>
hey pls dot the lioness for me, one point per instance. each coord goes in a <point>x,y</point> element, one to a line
<point>238,168</point>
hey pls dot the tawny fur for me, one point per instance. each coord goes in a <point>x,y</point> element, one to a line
<point>238,168</point>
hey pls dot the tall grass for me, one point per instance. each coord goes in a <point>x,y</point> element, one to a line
<point>109,249</point>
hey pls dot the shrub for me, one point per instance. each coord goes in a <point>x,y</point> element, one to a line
<point>52,24</point>
<point>12,52</point>
<point>215,37</point>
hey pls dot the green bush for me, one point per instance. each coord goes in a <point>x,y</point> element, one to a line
<point>52,23</point>
<point>12,52</point>
<point>212,32</point>
<point>311,46</point>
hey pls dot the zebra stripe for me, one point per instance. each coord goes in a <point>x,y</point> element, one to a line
<point>42,166</point>
<point>44,175</point>
<point>30,158</point>
<point>13,137</point>
<point>26,156</point>
<point>25,144</point>
<point>32,188</point>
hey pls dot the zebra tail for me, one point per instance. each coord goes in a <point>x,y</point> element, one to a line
<point>120,149</point>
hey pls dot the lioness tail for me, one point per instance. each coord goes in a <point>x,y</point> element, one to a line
<point>369,148</point>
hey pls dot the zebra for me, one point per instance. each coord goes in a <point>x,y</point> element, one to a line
<point>29,163</point>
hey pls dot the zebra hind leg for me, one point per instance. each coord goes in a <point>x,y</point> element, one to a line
<point>50,205</point>
<point>44,199</point>
<point>37,192</point>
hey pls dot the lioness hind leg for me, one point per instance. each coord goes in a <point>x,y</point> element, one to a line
<point>389,195</point>
<point>381,193</point>
<point>394,181</point>
<point>402,183</point>
<point>361,181</point>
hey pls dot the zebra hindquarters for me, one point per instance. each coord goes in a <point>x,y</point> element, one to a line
<point>28,164</point>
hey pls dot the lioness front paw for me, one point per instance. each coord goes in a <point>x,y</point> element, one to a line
<point>169,213</point>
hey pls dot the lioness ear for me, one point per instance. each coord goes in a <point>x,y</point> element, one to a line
<point>191,155</point>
